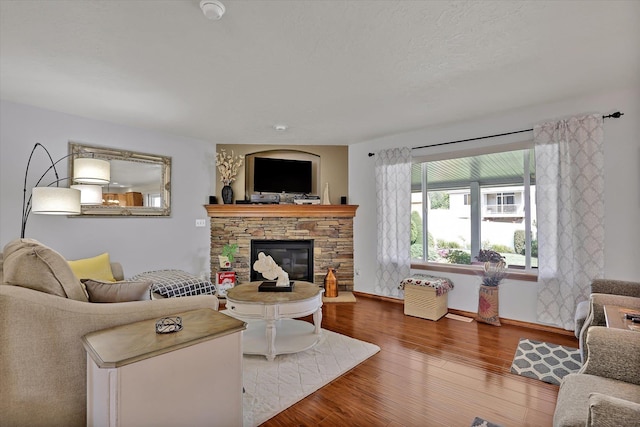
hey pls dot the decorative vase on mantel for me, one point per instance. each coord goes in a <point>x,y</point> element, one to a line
<point>227,194</point>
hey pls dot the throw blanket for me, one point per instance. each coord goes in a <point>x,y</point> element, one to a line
<point>441,284</point>
<point>176,283</point>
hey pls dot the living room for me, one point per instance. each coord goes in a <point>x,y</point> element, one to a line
<point>606,79</point>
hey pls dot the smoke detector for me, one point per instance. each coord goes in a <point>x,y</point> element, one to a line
<point>212,9</point>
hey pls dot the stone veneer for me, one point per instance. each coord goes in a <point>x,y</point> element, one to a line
<point>330,229</point>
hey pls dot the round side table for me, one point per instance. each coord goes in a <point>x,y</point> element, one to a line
<point>271,328</point>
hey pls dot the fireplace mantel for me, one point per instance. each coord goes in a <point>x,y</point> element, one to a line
<point>281,211</point>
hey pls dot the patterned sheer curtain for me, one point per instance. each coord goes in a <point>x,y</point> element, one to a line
<point>570,210</point>
<point>393,193</point>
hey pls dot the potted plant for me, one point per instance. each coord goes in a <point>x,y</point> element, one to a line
<point>227,256</point>
<point>488,298</point>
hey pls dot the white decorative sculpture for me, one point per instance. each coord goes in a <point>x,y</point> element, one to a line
<point>270,270</point>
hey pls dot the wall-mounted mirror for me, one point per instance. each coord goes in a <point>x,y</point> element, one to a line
<point>140,183</point>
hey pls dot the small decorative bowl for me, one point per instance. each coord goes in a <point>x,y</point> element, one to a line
<point>167,325</point>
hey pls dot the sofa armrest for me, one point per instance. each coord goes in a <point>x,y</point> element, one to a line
<point>598,301</point>
<point>616,287</point>
<point>610,411</point>
<point>613,353</point>
<point>42,360</point>
<point>596,314</point>
<point>582,312</point>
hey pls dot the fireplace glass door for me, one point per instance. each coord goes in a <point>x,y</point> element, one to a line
<point>294,256</point>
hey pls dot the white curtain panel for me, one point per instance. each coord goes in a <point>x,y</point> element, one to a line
<point>393,193</point>
<point>570,214</point>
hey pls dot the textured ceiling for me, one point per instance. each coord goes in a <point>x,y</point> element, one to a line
<point>336,72</point>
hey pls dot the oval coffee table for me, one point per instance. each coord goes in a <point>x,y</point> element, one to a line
<point>271,328</point>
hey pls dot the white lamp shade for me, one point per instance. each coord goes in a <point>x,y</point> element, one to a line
<point>55,201</point>
<point>91,171</point>
<point>89,194</point>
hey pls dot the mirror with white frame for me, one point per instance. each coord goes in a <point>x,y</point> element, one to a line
<point>140,183</point>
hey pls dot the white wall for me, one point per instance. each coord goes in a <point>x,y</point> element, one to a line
<point>140,244</point>
<point>622,190</point>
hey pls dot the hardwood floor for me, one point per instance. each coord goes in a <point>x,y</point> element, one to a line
<point>427,373</point>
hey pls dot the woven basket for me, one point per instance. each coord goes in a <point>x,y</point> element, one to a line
<point>422,301</point>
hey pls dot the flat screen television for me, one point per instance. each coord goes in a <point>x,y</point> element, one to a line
<point>282,175</point>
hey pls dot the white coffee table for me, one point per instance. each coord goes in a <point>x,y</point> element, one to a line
<point>271,328</point>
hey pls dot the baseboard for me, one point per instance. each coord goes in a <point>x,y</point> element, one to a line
<point>378,297</point>
<point>529,325</point>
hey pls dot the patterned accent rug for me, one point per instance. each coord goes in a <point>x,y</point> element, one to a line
<point>545,361</point>
<point>271,387</point>
<point>479,422</point>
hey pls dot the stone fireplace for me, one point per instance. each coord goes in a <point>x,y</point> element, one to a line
<point>330,227</point>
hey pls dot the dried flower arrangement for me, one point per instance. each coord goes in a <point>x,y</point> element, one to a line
<point>228,165</point>
<point>489,255</point>
<point>493,273</point>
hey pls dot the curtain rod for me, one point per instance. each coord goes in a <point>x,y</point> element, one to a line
<point>615,115</point>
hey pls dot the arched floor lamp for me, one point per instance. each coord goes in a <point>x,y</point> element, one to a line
<point>56,200</point>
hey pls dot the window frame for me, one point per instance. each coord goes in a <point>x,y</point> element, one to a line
<point>528,273</point>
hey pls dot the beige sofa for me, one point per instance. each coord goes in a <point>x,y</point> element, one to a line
<point>606,391</point>
<point>44,312</point>
<point>604,286</point>
<point>615,292</point>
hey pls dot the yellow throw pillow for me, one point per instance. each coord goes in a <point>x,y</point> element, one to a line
<point>96,268</point>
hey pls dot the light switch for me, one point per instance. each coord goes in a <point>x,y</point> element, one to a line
<point>201,222</point>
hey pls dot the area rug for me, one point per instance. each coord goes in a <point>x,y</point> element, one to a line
<point>479,422</point>
<point>271,387</point>
<point>545,361</point>
<point>343,296</point>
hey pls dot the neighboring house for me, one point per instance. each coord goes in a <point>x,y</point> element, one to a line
<point>497,203</point>
<point>500,204</point>
<point>502,214</point>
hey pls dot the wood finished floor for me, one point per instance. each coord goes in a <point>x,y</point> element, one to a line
<point>427,373</point>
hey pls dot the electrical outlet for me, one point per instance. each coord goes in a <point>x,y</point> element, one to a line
<point>201,222</point>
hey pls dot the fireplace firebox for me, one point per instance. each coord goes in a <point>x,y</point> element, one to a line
<point>294,256</point>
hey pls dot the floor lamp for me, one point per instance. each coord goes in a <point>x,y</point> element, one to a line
<point>51,199</point>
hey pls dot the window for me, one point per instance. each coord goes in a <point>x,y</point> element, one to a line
<point>462,205</point>
<point>154,200</point>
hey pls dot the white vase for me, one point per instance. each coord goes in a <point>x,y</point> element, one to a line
<point>325,195</point>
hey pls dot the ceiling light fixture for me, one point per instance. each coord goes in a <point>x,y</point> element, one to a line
<point>280,128</point>
<point>212,9</point>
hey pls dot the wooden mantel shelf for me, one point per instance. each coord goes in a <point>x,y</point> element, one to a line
<point>288,211</point>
